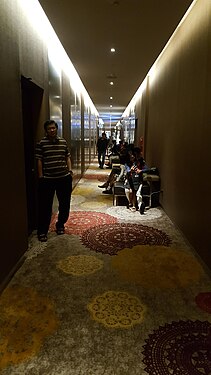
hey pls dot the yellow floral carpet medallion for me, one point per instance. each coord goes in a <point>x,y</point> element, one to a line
<point>83,190</point>
<point>117,309</point>
<point>157,266</point>
<point>80,265</point>
<point>93,205</point>
<point>26,319</point>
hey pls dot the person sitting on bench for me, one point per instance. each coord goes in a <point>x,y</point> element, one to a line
<point>133,180</point>
<point>114,176</point>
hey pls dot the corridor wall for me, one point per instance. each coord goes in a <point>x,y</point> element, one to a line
<point>174,114</point>
<point>27,100</point>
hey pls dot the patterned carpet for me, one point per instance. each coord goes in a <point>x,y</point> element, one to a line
<point>119,294</point>
<point>118,236</point>
<point>182,347</point>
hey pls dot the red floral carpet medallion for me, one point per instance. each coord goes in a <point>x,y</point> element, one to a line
<point>179,348</point>
<point>203,300</point>
<point>79,221</point>
<point>110,238</point>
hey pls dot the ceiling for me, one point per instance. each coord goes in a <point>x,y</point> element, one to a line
<point>137,29</point>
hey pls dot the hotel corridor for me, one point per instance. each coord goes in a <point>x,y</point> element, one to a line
<point>119,294</point>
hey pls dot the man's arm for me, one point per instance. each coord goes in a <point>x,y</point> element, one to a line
<point>39,168</point>
<point>69,164</point>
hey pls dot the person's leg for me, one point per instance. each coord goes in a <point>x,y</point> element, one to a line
<point>63,192</point>
<point>111,177</point>
<point>112,180</point>
<point>99,159</point>
<point>122,171</point>
<point>139,196</point>
<point>108,185</point>
<point>133,200</point>
<point>141,205</point>
<point>103,158</point>
<point>46,190</point>
<point>128,194</point>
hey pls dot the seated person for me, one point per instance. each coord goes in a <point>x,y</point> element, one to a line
<point>116,152</point>
<point>113,176</point>
<point>133,180</point>
<point>112,154</point>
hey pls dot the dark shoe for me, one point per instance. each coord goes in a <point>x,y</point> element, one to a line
<point>142,207</point>
<point>103,186</point>
<point>109,191</point>
<point>42,237</point>
<point>60,229</point>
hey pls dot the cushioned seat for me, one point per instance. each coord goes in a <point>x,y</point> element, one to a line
<point>154,191</point>
<point>118,191</point>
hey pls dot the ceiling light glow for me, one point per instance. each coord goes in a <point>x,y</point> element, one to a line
<point>38,20</point>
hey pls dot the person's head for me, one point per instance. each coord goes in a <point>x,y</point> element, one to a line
<point>137,151</point>
<point>140,162</point>
<point>103,135</point>
<point>51,127</point>
<point>129,158</point>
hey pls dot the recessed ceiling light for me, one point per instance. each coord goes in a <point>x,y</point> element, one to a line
<point>111,106</point>
<point>113,50</point>
<point>111,97</point>
<point>111,83</point>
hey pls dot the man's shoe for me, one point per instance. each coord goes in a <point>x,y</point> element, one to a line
<point>142,207</point>
<point>109,191</point>
<point>42,237</point>
<point>103,186</point>
<point>59,229</point>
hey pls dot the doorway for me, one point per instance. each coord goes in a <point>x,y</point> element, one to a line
<point>32,96</point>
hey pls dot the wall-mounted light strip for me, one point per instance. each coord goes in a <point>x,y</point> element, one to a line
<point>37,19</point>
<point>151,71</point>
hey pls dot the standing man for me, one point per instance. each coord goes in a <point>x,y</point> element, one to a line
<point>55,175</point>
<point>102,145</point>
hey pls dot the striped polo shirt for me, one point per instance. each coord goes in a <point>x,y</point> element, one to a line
<point>53,155</point>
